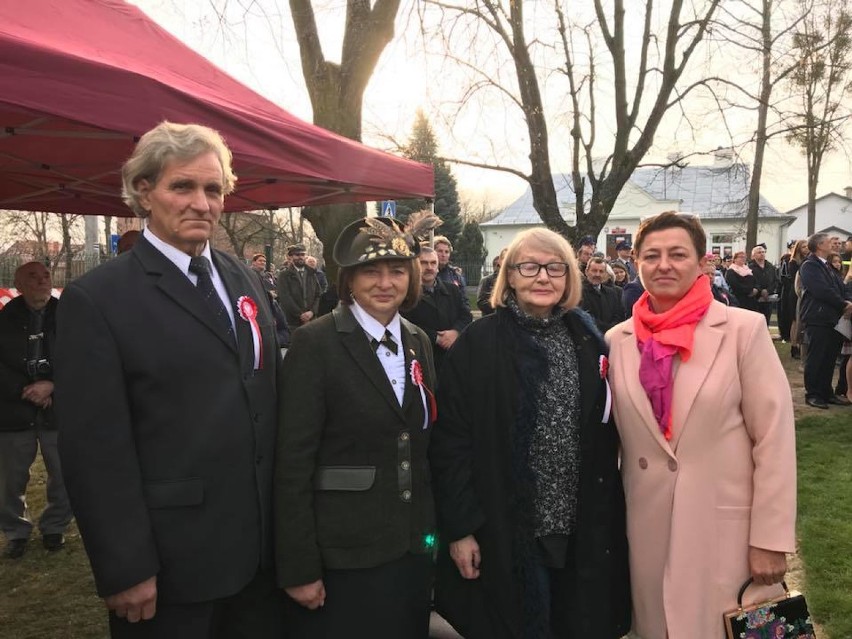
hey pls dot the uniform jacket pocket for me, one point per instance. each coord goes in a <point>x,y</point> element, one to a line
<point>351,478</point>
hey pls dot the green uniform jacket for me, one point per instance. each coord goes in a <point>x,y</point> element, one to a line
<point>352,485</point>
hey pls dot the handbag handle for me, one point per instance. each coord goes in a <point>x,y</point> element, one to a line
<point>747,583</point>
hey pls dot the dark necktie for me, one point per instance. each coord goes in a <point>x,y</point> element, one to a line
<point>200,265</point>
<point>388,342</point>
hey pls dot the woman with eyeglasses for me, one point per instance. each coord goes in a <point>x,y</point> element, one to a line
<point>524,463</point>
<point>705,415</point>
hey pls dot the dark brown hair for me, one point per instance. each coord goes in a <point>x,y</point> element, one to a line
<point>672,220</point>
<point>346,274</point>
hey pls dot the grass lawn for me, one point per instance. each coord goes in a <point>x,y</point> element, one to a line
<point>49,595</point>
<point>825,517</point>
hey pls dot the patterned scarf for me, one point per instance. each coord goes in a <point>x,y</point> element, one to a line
<point>660,336</point>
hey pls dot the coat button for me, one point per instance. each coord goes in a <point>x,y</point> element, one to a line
<point>404,437</point>
<point>643,463</point>
<point>405,465</point>
<point>672,465</point>
<point>406,495</point>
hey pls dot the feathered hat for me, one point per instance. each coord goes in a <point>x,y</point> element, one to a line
<point>383,238</point>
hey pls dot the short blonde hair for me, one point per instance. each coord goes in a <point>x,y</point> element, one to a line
<point>165,142</point>
<point>543,240</point>
<point>441,239</point>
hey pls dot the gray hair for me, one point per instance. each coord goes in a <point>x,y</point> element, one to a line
<point>168,141</point>
<point>814,240</point>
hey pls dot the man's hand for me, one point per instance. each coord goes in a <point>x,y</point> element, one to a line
<point>465,554</point>
<point>446,338</point>
<point>306,317</point>
<point>137,603</point>
<point>38,393</point>
<point>767,566</point>
<point>847,309</point>
<point>311,596</point>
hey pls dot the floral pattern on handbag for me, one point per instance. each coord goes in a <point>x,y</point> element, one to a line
<point>785,617</point>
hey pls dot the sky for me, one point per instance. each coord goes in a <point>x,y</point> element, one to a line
<point>258,47</point>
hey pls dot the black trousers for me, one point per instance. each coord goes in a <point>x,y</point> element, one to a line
<point>824,345</point>
<point>390,601</point>
<point>842,383</point>
<point>256,612</point>
<point>766,309</point>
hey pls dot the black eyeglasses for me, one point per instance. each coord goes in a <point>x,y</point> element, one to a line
<point>532,269</point>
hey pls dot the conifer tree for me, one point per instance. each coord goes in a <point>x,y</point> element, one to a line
<point>422,147</point>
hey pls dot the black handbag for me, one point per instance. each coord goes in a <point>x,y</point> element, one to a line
<point>784,617</point>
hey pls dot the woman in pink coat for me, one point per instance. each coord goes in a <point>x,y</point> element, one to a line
<point>706,421</point>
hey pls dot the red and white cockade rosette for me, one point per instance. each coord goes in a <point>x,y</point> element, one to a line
<point>247,308</point>
<point>603,366</point>
<point>430,408</point>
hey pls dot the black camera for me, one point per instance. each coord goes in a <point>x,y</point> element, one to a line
<point>39,368</point>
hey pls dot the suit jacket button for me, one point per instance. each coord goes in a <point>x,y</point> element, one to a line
<point>406,495</point>
<point>405,465</point>
<point>672,465</point>
<point>643,463</point>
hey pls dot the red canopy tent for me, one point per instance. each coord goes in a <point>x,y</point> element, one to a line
<point>80,80</point>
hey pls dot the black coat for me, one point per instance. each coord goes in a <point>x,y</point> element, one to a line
<point>822,293</point>
<point>472,461</point>
<point>293,299</point>
<point>604,305</point>
<point>441,310</point>
<point>483,295</point>
<point>351,478</point>
<point>766,276</point>
<point>166,431</point>
<point>17,413</point>
<point>742,287</point>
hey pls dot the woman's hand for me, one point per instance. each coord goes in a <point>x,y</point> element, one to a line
<point>465,553</point>
<point>767,566</point>
<point>311,596</point>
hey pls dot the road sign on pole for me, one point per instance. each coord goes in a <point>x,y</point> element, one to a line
<point>389,208</point>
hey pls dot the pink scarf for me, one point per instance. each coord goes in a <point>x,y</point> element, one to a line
<point>742,271</point>
<point>660,336</point>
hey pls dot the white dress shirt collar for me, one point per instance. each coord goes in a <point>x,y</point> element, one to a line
<point>178,257</point>
<point>392,364</point>
<point>374,328</point>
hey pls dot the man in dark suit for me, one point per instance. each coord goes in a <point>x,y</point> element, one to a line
<point>822,305</point>
<point>440,313</point>
<point>298,289</point>
<point>601,301</point>
<point>624,250</point>
<point>166,372</point>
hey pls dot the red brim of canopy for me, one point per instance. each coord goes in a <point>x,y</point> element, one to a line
<point>81,80</point>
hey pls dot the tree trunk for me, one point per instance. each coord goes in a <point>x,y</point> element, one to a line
<point>337,90</point>
<point>752,214</point>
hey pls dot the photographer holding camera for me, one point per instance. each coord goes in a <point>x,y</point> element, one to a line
<point>27,331</point>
